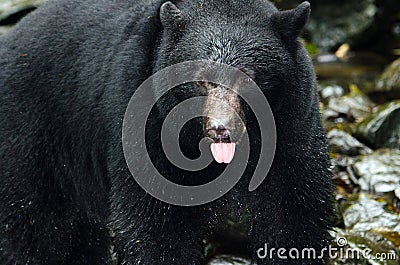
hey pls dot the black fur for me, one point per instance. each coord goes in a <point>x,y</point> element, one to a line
<point>67,72</point>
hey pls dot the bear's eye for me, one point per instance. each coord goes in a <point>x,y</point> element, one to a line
<point>206,85</point>
<point>200,83</point>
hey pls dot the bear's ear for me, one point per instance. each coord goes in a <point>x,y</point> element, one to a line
<point>290,22</point>
<point>170,14</point>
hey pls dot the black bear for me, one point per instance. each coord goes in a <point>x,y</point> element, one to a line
<point>67,73</point>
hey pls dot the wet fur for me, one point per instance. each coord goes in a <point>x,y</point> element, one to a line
<point>67,72</point>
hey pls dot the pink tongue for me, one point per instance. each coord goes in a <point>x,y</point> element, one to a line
<point>223,152</point>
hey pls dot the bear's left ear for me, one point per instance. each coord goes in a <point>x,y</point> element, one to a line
<point>170,14</point>
<point>290,22</point>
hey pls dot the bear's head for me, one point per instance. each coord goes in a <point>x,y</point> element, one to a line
<point>252,36</point>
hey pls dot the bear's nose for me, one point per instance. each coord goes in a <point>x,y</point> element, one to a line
<point>219,134</point>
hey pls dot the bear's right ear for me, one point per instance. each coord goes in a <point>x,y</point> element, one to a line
<point>290,22</point>
<point>170,14</point>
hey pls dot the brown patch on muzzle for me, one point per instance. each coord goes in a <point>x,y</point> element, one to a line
<point>223,122</point>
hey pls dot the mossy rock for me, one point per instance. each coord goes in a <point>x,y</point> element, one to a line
<point>382,128</point>
<point>389,82</point>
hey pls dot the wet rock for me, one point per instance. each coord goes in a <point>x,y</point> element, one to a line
<point>4,29</point>
<point>364,23</point>
<point>389,82</point>
<point>228,260</point>
<point>8,8</point>
<point>370,225</point>
<point>351,245</point>
<point>330,90</point>
<point>397,193</point>
<point>382,128</point>
<point>354,106</point>
<point>331,26</point>
<point>367,214</point>
<point>340,162</point>
<point>379,171</point>
<point>343,143</point>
